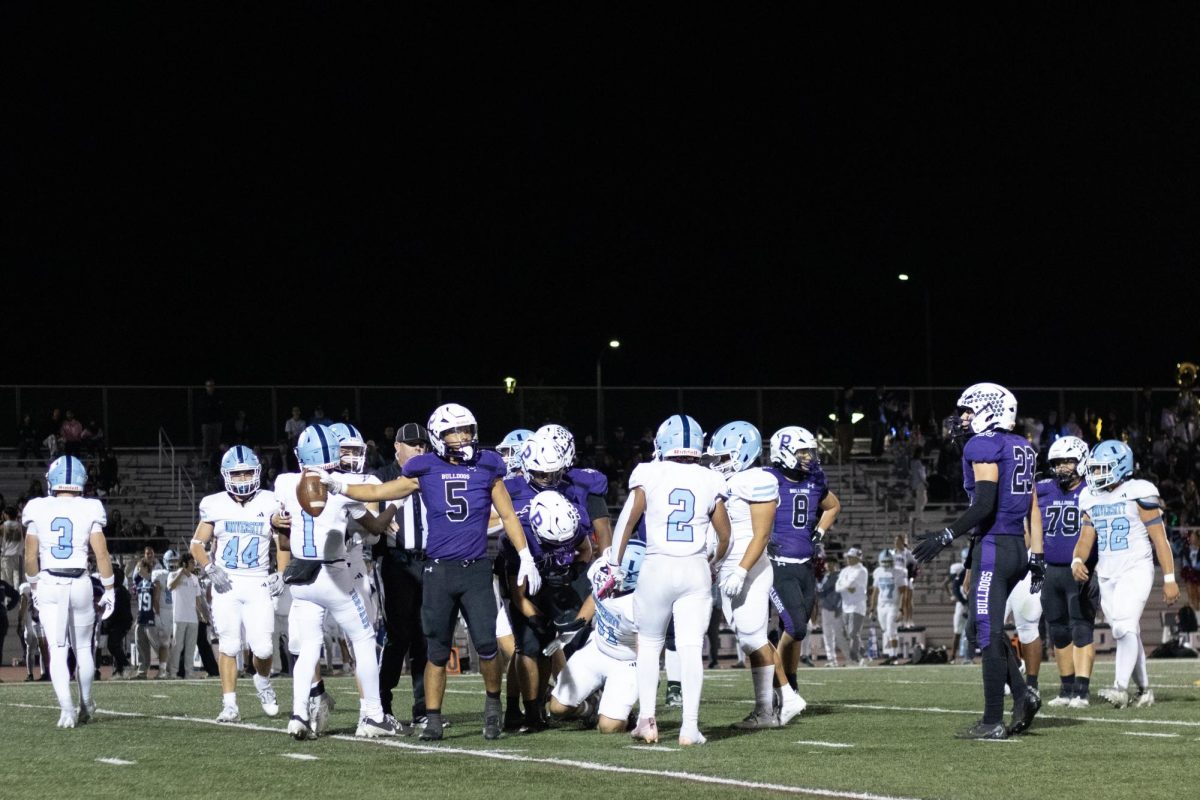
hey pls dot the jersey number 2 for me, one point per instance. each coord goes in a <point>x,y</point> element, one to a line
<point>684,503</point>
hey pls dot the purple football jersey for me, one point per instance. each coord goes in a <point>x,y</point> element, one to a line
<point>590,480</point>
<point>1017,460</point>
<point>458,502</point>
<point>798,513</point>
<point>1060,520</point>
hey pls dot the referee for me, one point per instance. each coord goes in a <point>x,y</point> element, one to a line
<point>400,556</point>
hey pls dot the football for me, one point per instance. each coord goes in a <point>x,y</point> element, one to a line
<point>311,493</point>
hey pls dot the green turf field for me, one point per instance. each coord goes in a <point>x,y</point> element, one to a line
<point>874,732</point>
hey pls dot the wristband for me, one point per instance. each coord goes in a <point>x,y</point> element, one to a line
<point>1076,560</point>
<point>1169,578</point>
<point>197,541</point>
<point>109,581</point>
<point>31,579</point>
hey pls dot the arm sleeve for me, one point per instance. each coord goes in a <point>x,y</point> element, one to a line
<point>596,507</point>
<point>985,503</point>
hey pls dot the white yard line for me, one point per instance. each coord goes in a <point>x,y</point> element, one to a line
<point>299,756</point>
<point>1116,720</point>
<point>1159,735</point>
<point>824,744</point>
<point>117,762</point>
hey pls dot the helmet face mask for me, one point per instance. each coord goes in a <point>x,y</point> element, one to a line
<point>795,449</point>
<point>1068,458</point>
<point>563,437</point>
<point>352,449</point>
<point>734,447</point>
<point>631,564</point>
<point>1110,463</point>
<point>454,434</point>
<point>543,461</point>
<point>985,406</point>
<point>553,519</point>
<point>510,448</point>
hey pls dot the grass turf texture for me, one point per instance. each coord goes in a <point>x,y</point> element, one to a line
<point>898,722</point>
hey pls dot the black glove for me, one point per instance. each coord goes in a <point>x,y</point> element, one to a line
<point>1037,568</point>
<point>930,544</point>
<point>541,629</point>
<point>571,626</point>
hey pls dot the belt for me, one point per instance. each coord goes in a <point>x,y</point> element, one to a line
<point>335,561</point>
<point>414,553</point>
<point>1052,564</point>
<point>67,573</point>
<point>465,562</point>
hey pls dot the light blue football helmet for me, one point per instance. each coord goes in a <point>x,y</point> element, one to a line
<point>510,448</point>
<point>66,474</point>
<point>734,447</point>
<point>679,436</point>
<point>241,470</point>
<point>318,447</point>
<point>631,565</point>
<point>352,448</point>
<point>1109,463</point>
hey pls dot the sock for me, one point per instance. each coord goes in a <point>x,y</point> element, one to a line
<point>260,682</point>
<point>648,650</point>
<point>1126,660</point>
<point>1082,686</point>
<point>1068,685</point>
<point>1140,676</point>
<point>995,673</point>
<point>1031,681</point>
<point>86,665</point>
<point>764,694</point>
<point>533,711</point>
<point>60,676</point>
<point>432,712</point>
<point>791,679</point>
<point>366,670</point>
<point>305,663</point>
<point>317,689</point>
<point>229,699</point>
<point>671,663</point>
<point>692,665</point>
<point>492,695</point>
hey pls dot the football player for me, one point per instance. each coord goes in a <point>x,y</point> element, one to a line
<point>887,579</point>
<point>314,566</point>
<point>593,482</point>
<point>1069,607</point>
<point>510,448</point>
<point>745,575</point>
<point>237,522</point>
<point>998,475</point>
<point>561,556</point>
<point>680,500</point>
<point>32,633</point>
<point>460,484</point>
<point>807,509</point>
<point>59,531</point>
<point>1122,516</point>
<point>609,659</point>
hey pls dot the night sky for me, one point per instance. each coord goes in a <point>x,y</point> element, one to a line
<point>300,197</point>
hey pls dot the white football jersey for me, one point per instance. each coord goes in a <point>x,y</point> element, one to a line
<point>241,531</point>
<point>63,525</point>
<point>679,501</point>
<point>320,538</point>
<point>1121,537</point>
<point>616,630</point>
<point>753,485</point>
<point>357,535</point>
<point>888,582</point>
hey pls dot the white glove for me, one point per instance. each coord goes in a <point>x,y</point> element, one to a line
<point>732,583</point>
<point>331,483</point>
<point>274,584</point>
<point>218,577</point>
<point>108,603</point>
<point>528,573</point>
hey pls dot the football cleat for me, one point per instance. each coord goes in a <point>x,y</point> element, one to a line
<point>492,719</point>
<point>67,718</point>
<point>299,729</point>
<point>674,697</point>
<point>984,730</point>
<point>1060,701</point>
<point>1118,697</point>
<point>432,732</point>
<point>270,705</point>
<point>1024,711</point>
<point>372,728</point>
<point>319,709</point>
<point>589,715</point>
<point>758,720</point>
<point>790,708</point>
<point>1145,699</point>
<point>1079,702</point>
<point>229,714</point>
<point>691,736</point>
<point>645,730</point>
<point>86,712</point>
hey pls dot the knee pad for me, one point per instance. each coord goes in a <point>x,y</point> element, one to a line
<point>262,647</point>
<point>438,653</point>
<point>1081,634</point>
<point>753,641</point>
<point>230,646</point>
<point>1061,635</point>
<point>487,648</point>
<point>1027,632</point>
<point>1124,627</point>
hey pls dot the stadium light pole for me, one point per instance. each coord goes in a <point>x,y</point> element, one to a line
<point>613,344</point>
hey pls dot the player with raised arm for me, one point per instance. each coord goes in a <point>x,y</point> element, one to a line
<point>680,500</point>
<point>998,475</point>
<point>1122,517</point>
<point>59,531</point>
<point>806,511</point>
<point>745,575</point>
<point>238,523</point>
<point>322,583</point>
<point>459,483</point>
<point>1069,607</point>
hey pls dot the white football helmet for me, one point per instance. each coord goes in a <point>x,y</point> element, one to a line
<point>453,418</point>
<point>991,406</point>
<point>553,518</point>
<point>543,461</point>
<point>564,438</point>
<point>795,448</point>
<point>1064,449</point>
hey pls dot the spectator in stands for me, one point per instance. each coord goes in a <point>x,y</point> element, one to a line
<point>35,489</point>
<point>141,532</point>
<point>71,433</point>
<point>12,546</point>
<point>241,427</point>
<point>387,450</point>
<point>50,433</point>
<point>374,458</point>
<point>293,427</point>
<point>319,418</point>
<point>212,419</point>
<point>109,481</point>
<point>852,586</point>
<point>877,419</point>
<point>918,481</point>
<point>93,437</point>
<point>28,441</point>
<point>844,412</point>
<point>116,528</point>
